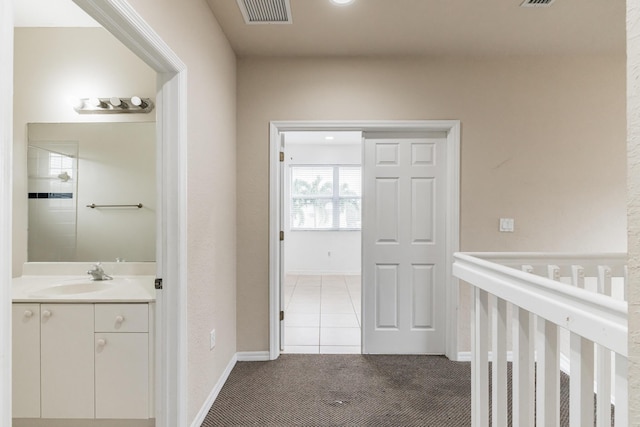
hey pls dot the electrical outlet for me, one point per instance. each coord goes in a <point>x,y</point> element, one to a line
<point>213,339</point>
<point>507,225</point>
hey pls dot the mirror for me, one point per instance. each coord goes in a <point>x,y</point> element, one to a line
<point>92,192</point>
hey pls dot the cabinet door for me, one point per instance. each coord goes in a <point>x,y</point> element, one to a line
<point>122,375</point>
<point>67,360</point>
<point>26,361</point>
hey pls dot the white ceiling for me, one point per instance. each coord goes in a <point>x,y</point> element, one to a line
<point>399,27</point>
<point>431,27</point>
<point>50,13</point>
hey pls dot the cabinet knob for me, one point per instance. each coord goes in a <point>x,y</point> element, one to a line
<point>46,314</point>
<point>102,342</point>
<point>28,313</point>
<point>119,319</point>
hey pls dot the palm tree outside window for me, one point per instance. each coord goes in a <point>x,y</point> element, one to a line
<point>326,197</point>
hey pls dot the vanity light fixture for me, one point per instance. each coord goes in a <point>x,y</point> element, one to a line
<point>96,103</point>
<point>138,102</point>
<point>113,105</point>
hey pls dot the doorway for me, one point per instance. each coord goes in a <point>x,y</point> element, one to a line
<point>322,188</point>
<point>449,132</point>
<point>122,21</point>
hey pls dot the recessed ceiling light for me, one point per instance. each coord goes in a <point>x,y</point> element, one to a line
<point>341,2</point>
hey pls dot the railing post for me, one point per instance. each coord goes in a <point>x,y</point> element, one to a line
<point>479,359</point>
<point>499,363</point>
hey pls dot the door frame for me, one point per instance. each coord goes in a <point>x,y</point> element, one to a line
<point>452,129</point>
<point>124,23</point>
<point>6,189</point>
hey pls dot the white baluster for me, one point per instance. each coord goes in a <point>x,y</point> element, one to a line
<point>577,276</point>
<point>499,363</point>
<point>553,272</point>
<point>581,390</point>
<point>604,280</point>
<point>622,397</point>
<point>603,357</point>
<point>548,367</point>
<point>479,359</point>
<point>547,374</point>
<point>523,374</point>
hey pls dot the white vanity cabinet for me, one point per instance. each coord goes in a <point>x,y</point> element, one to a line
<point>66,351</point>
<point>26,360</point>
<point>82,360</point>
<point>122,361</point>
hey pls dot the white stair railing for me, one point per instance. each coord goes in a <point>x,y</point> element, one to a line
<point>548,296</point>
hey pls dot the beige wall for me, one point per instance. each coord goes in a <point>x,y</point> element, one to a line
<point>52,66</point>
<point>191,31</point>
<point>543,141</point>
<point>633,203</point>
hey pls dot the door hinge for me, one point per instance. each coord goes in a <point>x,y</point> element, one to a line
<point>158,283</point>
<point>282,156</point>
<point>281,236</point>
<point>281,316</point>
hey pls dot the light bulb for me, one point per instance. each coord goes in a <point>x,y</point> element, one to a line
<point>115,101</point>
<point>135,100</point>
<point>94,102</point>
<point>76,103</point>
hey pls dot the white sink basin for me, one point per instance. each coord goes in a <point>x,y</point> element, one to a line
<point>73,288</point>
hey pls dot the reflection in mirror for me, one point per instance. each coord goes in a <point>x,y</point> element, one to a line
<point>72,166</point>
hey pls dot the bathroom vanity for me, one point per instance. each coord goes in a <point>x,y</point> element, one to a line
<point>83,349</point>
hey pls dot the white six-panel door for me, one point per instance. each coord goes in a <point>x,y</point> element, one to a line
<point>404,245</point>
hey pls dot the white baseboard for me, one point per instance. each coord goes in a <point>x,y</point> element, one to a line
<point>465,356</point>
<point>253,356</point>
<point>323,273</point>
<point>197,422</point>
<point>242,356</point>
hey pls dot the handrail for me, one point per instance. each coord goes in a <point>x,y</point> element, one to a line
<point>547,293</point>
<point>93,206</point>
<point>572,308</point>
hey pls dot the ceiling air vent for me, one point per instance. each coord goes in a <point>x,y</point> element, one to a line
<point>266,11</point>
<point>536,3</point>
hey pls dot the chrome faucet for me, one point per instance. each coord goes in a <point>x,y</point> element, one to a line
<point>97,273</point>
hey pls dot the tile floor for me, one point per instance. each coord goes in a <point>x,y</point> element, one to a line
<point>322,314</point>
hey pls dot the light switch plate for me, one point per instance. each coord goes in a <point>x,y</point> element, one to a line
<point>213,339</point>
<point>507,225</point>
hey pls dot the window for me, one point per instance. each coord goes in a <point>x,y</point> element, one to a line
<point>326,197</point>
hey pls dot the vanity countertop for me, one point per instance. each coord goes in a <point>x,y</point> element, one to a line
<point>80,289</point>
<point>66,283</point>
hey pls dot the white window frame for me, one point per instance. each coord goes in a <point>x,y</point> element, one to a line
<point>335,196</point>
